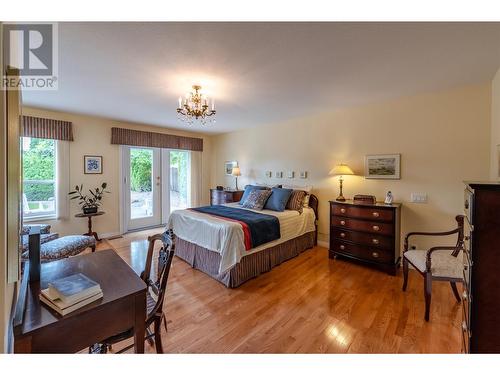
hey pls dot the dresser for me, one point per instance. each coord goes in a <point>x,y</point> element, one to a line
<point>368,233</point>
<point>225,196</point>
<point>480,297</point>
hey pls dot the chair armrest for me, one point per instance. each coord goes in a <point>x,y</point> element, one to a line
<point>408,235</point>
<point>439,248</point>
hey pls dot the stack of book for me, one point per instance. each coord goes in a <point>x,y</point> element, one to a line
<point>71,293</point>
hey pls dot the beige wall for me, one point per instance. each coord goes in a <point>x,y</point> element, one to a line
<point>443,139</point>
<point>495,126</point>
<point>92,137</point>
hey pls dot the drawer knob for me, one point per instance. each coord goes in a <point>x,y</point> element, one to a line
<point>464,295</point>
<point>342,210</point>
<point>466,238</point>
<point>375,254</point>
<point>464,326</point>
<point>342,234</point>
<point>375,214</point>
<point>375,241</point>
<point>342,222</point>
<point>376,228</point>
<point>342,247</point>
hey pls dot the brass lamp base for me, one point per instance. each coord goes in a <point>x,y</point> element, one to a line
<point>340,198</point>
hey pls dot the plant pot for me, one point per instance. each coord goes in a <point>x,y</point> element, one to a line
<point>89,210</point>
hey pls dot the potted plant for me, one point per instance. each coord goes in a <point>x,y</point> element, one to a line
<point>89,203</point>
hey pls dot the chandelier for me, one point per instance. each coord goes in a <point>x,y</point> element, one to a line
<point>195,107</point>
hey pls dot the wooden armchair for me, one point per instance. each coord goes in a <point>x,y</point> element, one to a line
<point>440,263</point>
<point>155,296</point>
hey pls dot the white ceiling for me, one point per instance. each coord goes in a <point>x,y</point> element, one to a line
<point>260,72</point>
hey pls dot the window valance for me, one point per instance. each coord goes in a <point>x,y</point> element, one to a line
<point>38,127</point>
<point>131,137</point>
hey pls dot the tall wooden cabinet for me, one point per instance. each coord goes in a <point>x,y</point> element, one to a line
<point>481,295</point>
<point>368,233</point>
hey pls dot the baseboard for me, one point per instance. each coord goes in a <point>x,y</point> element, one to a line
<point>110,235</point>
<point>324,244</point>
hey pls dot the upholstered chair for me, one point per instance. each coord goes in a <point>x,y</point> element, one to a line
<point>439,263</point>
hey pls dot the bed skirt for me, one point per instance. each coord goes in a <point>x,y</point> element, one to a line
<point>249,267</point>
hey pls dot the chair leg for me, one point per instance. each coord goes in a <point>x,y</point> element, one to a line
<point>455,291</point>
<point>405,274</point>
<point>159,347</point>
<point>164,318</point>
<point>427,293</point>
<point>93,248</point>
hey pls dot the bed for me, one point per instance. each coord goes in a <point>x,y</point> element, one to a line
<point>216,245</point>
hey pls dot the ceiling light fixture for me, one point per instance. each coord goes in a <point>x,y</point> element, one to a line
<point>195,107</point>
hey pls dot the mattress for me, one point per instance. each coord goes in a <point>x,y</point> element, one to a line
<point>226,237</point>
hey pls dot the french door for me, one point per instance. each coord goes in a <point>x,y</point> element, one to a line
<point>155,182</point>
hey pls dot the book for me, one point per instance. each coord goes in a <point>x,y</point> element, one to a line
<point>58,306</point>
<point>73,288</point>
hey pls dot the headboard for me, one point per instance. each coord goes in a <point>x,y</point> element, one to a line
<point>313,203</point>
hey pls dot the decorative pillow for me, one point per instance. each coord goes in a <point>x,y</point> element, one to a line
<point>278,199</point>
<point>257,199</point>
<point>307,189</point>
<point>296,200</point>
<point>248,189</point>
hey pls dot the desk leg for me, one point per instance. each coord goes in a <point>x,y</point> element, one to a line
<point>140,323</point>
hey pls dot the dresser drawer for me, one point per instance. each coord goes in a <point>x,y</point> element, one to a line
<point>362,225</point>
<point>363,238</point>
<point>363,252</point>
<point>369,212</point>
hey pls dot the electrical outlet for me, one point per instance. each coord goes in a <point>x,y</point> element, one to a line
<point>418,198</point>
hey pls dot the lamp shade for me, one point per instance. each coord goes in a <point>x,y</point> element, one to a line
<point>341,170</point>
<point>236,171</point>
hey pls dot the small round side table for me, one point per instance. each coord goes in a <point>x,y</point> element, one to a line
<point>89,216</point>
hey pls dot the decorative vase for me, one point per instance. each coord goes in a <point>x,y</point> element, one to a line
<point>89,210</point>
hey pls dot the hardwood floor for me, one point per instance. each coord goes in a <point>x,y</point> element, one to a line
<point>309,304</point>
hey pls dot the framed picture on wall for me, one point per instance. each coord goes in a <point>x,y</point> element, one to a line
<point>386,167</point>
<point>92,164</point>
<point>228,167</point>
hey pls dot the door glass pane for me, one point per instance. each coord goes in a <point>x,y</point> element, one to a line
<point>179,172</point>
<point>141,183</point>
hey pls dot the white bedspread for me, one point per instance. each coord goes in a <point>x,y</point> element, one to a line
<point>226,237</point>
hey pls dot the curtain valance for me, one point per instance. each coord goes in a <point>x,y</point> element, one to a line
<point>38,127</point>
<point>131,137</point>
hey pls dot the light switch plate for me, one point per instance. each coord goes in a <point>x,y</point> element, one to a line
<point>418,198</point>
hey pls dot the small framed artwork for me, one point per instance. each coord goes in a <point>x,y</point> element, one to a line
<point>92,164</point>
<point>269,174</point>
<point>228,167</point>
<point>303,174</point>
<point>290,174</point>
<point>385,167</point>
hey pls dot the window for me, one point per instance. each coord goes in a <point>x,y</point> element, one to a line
<point>39,177</point>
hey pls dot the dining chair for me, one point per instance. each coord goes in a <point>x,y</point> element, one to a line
<point>157,285</point>
<point>439,263</point>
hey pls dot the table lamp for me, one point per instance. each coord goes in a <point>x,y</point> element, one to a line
<point>341,170</point>
<point>236,172</point>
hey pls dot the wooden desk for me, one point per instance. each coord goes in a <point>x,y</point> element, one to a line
<point>122,307</point>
